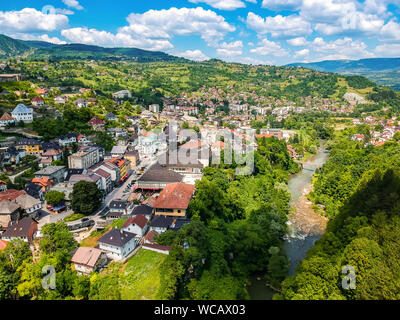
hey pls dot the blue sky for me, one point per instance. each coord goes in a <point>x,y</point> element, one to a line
<point>248,31</point>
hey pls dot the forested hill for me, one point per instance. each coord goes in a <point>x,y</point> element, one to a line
<point>39,50</point>
<point>384,71</point>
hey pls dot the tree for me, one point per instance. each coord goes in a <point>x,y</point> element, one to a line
<point>54,197</point>
<point>86,197</point>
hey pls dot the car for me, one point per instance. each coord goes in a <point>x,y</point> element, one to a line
<point>85,219</point>
<point>118,199</point>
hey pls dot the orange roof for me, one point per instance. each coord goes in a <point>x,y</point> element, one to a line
<point>175,196</point>
<point>45,181</point>
<point>117,161</point>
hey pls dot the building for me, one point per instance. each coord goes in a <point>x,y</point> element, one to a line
<point>111,116</point>
<point>68,139</point>
<point>174,200</point>
<point>124,167</point>
<point>55,173</point>
<point>6,119</point>
<point>118,151</point>
<point>29,205</point>
<point>154,108</point>
<point>37,102</point>
<point>90,177</point>
<point>9,211</point>
<point>144,210</point>
<point>22,113</point>
<point>87,260</point>
<point>119,206</point>
<point>97,124</point>
<point>118,244</point>
<point>161,223</point>
<point>136,225</point>
<point>24,229</point>
<point>11,77</point>
<point>84,159</point>
<point>157,177</point>
<point>106,181</point>
<point>123,94</point>
<point>30,146</point>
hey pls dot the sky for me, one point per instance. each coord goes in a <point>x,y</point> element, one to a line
<point>274,32</point>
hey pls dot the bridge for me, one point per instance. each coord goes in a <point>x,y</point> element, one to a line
<point>308,166</point>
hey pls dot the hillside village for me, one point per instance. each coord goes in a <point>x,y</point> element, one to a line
<point>122,147</point>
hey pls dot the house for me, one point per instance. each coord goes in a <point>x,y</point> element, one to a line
<point>148,144</point>
<point>123,165</point>
<point>111,116</point>
<point>97,124</point>
<point>123,94</point>
<point>90,177</point>
<point>136,225</point>
<point>30,146</point>
<point>34,190</point>
<point>55,173</point>
<point>107,183</point>
<point>13,155</point>
<point>60,100</point>
<point>37,102</point>
<point>118,151</point>
<point>119,206</point>
<point>9,211</point>
<point>6,119</point>
<point>24,229</point>
<point>133,157</point>
<point>112,169</point>
<point>144,210</point>
<point>161,223</point>
<point>174,200</point>
<point>68,139</point>
<point>118,244</point>
<point>150,237</point>
<point>49,156</point>
<point>80,103</point>
<point>22,113</point>
<point>44,183</point>
<point>29,205</point>
<point>3,186</point>
<point>87,260</point>
<point>154,108</point>
<point>157,177</point>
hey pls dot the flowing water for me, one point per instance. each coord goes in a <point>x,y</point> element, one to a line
<point>305,227</point>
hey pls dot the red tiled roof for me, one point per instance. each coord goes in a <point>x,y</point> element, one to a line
<point>96,120</point>
<point>37,99</point>
<point>175,196</point>
<point>3,245</point>
<point>11,194</point>
<point>140,220</point>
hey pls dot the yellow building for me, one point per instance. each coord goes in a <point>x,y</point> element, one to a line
<point>31,146</point>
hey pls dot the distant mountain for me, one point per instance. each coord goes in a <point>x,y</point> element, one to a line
<point>384,71</point>
<point>39,50</point>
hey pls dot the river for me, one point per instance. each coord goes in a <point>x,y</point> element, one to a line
<point>305,227</point>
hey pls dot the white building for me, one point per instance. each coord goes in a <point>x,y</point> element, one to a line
<point>22,113</point>
<point>118,244</point>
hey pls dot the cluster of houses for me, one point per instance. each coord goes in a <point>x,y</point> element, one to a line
<point>378,138</point>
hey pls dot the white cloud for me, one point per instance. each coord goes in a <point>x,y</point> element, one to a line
<point>195,55</point>
<point>388,50</point>
<point>224,4</point>
<point>345,48</point>
<point>31,20</point>
<point>73,4</point>
<point>302,53</point>
<point>108,39</point>
<point>231,49</point>
<point>163,24</point>
<point>43,37</point>
<point>279,26</point>
<point>279,5</point>
<point>297,42</point>
<point>266,48</point>
<point>390,31</point>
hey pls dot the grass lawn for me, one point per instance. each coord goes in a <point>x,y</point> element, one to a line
<point>91,241</point>
<point>74,217</point>
<point>141,277</point>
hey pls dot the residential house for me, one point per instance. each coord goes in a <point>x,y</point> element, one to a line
<point>118,244</point>
<point>37,102</point>
<point>112,169</point>
<point>123,94</point>
<point>13,155</point>
<point>118,151</point>
<point>49,156</point>
<point>68,139</point>
<point>9,211</point>
<point>124,167</point>
<point>55,173</point>
<point>97,124</point>
<point>157,177</point>
<point>34,190</point>
<point>29,205</point>
<point>6,119</point>
<point>60,100</point>
<point>119,206</point>
<point>174,200</point>
<point>81,103</point>
<point>133,157</point>
<point>24,229</point>
<point>144,210</point>
<point>161,223</point>
<point>90,177</point>
<point>30,146</point>
<point>3,186</point>
<point>106,181</point>
<point>154,108</point>
<point>136,225</point>
<point>111,116</point>
<point>87,260</point>
<point>22,113</point>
